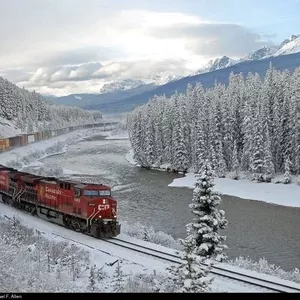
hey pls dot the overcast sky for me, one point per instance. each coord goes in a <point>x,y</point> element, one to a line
<point>72,46</point>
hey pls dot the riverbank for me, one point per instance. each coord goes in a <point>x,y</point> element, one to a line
<point>279,194</point>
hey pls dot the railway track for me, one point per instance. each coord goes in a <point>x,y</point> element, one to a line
<point>173,258</point>
<point>219,271</point>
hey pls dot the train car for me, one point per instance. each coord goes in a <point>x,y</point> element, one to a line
<point>4,144</point>
<point>37,136</point>
<point>31,138</point>
<point>24,139</point>
<point>47,134</point>
<point>15,141</point>
<point>4,180</point>
<point>83,207</point>
<point>88,208</point>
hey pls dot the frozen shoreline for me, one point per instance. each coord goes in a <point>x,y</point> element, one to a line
<point>279,194</point>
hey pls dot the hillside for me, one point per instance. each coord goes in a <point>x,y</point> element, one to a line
<point>22,111</point>
<point>284,56</point>
<point>89,100</point>
<point>128,101</point>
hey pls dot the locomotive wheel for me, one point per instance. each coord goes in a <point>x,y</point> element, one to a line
<point>30,209</point>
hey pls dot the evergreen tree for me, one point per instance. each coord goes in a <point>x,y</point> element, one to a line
<point>92,279</point>
<point>180,159</point>
<point>287,174</point>
<point>199,147</point>
<point>118,280</point>
<point>235,161</point>
<point>203,242</point>
<point>261,117</point>
<point>268,164</point>
<point>257,148</point>
<point>149,140</point>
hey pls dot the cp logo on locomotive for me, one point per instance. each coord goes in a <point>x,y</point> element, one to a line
<point>103,206</point>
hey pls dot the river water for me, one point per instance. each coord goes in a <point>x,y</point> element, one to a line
<point>255,229</point>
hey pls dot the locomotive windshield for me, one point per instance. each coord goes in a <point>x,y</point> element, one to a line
<point>96,193</point>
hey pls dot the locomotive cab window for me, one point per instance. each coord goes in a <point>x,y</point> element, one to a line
<point>105,193</point>
<point>77,192</point>
<point>90,193</point>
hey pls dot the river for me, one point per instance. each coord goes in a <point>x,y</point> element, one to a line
<point>255,229</point>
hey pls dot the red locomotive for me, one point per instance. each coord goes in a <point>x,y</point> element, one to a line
<point>88,208</point>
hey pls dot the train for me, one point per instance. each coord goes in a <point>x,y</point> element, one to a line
<point>28,138</point>
<point>83,207</point>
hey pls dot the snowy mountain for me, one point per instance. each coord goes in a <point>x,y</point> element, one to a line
<point>121,85</point>
<point>128,84</point>
<point>260,53</point>
<point>163,78</point>
<point>216,64</point>
<point>288,46</point>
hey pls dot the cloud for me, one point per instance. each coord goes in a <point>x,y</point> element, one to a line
<point>46,75</point>
<point>80,56</point>
<point>140,69</point>
<point>85,43</point>
<point>214,39</point>
<point>112,71</point>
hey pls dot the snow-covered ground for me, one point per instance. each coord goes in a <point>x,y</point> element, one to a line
<point>118,137</point>
<point>280,194</point>
<point>101,253</point>
<point>8,128</point>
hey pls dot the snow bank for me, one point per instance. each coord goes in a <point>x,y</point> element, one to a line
<point>117,135</point>
<point>129,158</point>
<point>280,194</point>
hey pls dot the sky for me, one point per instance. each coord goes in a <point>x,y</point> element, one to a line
<point>60,47</point>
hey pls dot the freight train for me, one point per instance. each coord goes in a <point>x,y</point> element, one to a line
<point>84,207</point>
<point>25,139</point>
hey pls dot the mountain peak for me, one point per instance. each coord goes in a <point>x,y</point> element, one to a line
<point>289,46</point>
<point>218,63</point>
<point>121,85</point>
<point>290,39</point>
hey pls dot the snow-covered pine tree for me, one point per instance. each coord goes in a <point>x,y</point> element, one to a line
<point>191,276</point>
<point>257,150</point>
<point>149,139</point>
<point>268,165</point>
<point>287,173</point>
<point>247,131</point>
<point>219,116</point>
<point>235,161</point>
<point>118,280</point>
<point>180,158</point>
<point>208,218</point>
<point>203,242</point>
<point>166,125</point>
<point>199,146</point>
<point>222,169</point>
<point>145,234</point>
<point>92,279</point>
